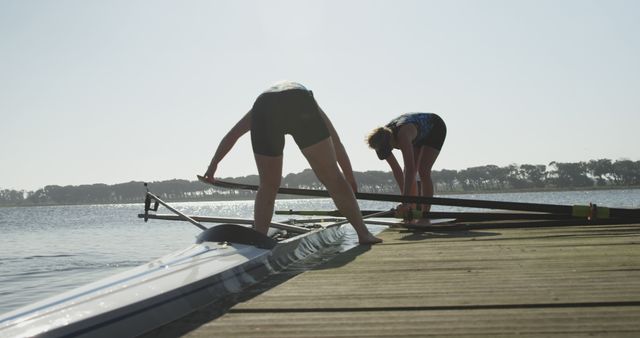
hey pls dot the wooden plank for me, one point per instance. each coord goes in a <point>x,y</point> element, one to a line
<point>492,323</point>
<point>564,281</point>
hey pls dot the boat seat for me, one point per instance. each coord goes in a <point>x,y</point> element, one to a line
<point>234,233</point>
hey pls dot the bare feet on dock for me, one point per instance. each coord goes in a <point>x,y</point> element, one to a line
<point>369,239</point>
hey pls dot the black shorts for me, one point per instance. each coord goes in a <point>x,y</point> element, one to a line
<point>435,138</point>
<point>293,112</point>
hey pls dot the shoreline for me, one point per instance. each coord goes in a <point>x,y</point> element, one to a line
<point>250,198</point>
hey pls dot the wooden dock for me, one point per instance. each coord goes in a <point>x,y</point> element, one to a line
<point>525,282</point>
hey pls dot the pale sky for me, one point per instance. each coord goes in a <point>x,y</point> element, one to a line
<point>114,91</point>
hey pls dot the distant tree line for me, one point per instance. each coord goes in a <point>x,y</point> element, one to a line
<point>488,178</point>
<point>557,175</point>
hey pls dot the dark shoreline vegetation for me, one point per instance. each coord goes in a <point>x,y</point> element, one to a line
<point>595,174</point>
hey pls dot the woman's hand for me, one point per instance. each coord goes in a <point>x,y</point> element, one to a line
<point>403,210</point>
<point>408,211</point>
<point>208,175</point>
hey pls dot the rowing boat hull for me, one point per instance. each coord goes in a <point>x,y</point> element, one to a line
<point>148,296</point>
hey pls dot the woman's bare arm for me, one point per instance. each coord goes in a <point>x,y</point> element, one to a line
<point>228,141</point>
<point>404,139</point>
<point>397,171</point>
<point>341,153</point>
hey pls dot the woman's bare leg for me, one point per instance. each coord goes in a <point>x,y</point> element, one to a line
<point>429,156</point>
<point>270,171</point>
<point>415,189</point>
<point>322,158</point>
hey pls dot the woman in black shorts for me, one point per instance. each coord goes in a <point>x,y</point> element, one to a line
<point>289,108</point>
<point>419,136</point>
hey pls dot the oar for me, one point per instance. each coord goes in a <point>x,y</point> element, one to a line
<point>464,216</point>
<point>577,210</point>
<point>377,214</point>
<point>314,220</point>
<point>332,213</point>
<point>519,224</point>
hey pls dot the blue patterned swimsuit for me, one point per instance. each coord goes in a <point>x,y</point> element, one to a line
<point>431,128</point>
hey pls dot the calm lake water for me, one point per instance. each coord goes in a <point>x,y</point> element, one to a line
<point>48,250</point>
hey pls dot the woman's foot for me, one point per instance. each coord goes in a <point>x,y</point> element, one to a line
<point>369,238</point>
